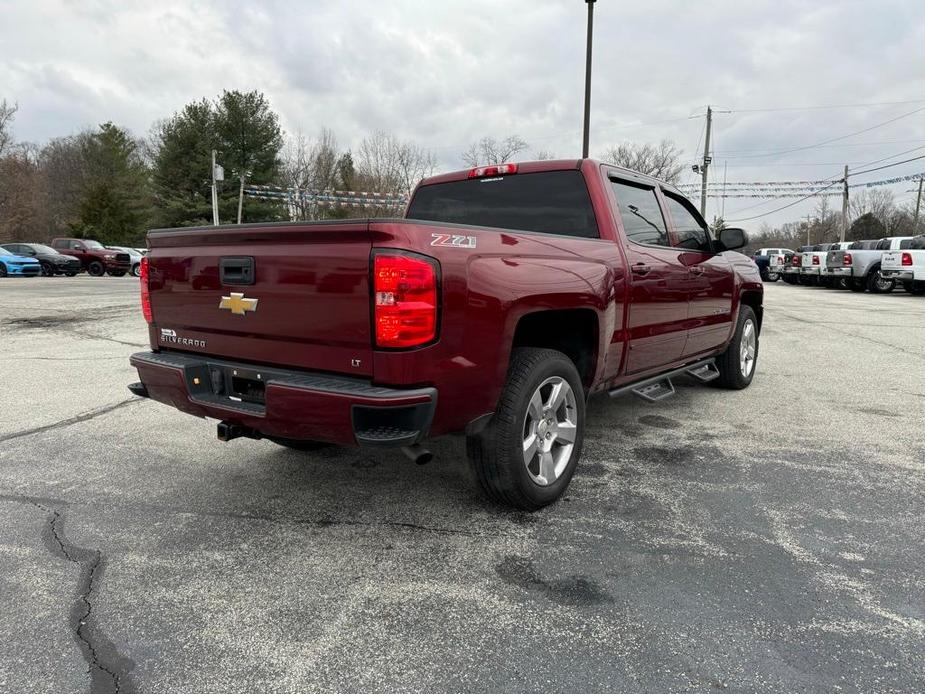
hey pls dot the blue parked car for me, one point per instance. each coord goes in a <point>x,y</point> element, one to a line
<point>11,264</point>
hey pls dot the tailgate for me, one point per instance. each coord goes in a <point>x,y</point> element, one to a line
<point>892,260</point>
<point>295,295</point>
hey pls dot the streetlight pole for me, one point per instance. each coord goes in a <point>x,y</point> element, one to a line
<point>215,177</point>
<point>584,144</point>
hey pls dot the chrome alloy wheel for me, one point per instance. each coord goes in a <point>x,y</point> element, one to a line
<point>881,282</point>
<point>747,348</point>
<point>549,431</point>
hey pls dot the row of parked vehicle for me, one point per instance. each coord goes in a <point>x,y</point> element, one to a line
<point>876,266</point>
<point>68,256</point>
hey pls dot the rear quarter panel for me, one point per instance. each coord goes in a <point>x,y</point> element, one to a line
<point>486,291</point>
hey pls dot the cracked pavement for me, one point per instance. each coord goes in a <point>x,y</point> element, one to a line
<point>768,540</point>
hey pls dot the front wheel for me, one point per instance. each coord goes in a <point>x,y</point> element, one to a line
<point>527,454</point>
<point>737,364</point>
<point>48,270</point>
<point>773,276</point>
<point>2,270</point>
<point>136,270</point>
<point>96,269</point>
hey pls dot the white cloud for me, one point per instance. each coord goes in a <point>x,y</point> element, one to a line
<point>445,73</point>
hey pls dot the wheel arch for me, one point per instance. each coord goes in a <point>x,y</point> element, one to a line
<point>574,331</point>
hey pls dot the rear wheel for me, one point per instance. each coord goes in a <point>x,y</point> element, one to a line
<point>878,284</point>
<point>136,270</point>
<point>527,454</point>
<point>96,268</point>
<point>773,276</point>
<point>737,364</point>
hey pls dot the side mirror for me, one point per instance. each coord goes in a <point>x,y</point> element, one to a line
<point>732,238</point>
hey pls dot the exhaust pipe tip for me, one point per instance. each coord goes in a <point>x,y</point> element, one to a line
<point>417,454</point>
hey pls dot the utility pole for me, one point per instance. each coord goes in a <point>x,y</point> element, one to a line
<point>706,165</point>
<point>918,204</point>
<point>844,207</point>
<point>240,198</point>
<point>218,174</point>
<point>584,143</point>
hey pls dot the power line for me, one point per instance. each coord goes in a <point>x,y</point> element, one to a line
<point>829,106</point>
<point>795,202</point>
<point>887,166</point>
<point>834,139</point>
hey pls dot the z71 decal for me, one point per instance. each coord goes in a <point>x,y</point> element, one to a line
<point>453,240</point>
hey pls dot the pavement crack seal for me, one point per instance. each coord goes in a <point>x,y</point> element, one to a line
<point>107,668</point>
<point>76,419</point>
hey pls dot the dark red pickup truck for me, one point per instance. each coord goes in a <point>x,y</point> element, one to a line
<point>96,259</point>
<point>504,298</point>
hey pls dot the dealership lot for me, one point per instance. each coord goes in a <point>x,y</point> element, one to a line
<point>769,539</point>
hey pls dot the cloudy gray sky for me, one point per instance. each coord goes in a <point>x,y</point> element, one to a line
<point>446,72</point>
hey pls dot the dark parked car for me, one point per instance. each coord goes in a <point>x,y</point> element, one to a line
<point>53,263</point>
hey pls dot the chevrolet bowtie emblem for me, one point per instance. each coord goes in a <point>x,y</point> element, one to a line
<point>237,304</point>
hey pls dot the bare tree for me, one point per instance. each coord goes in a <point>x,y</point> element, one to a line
<point>877,201</point>
<point>310,166</point>
<point>543,155</point>
<point>7,114</point>
<point>488,150</point>
<point>663,161</point>
<point>386,164</point>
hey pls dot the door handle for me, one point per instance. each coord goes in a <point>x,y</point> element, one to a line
<point>640,269</point>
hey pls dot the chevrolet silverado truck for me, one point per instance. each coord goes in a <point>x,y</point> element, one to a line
<point>906,265</point>
<point>860,264</point>
<point>95,258</point>
<point>503,299</point>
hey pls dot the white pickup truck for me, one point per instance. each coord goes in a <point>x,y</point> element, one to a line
<point>860,264</point>
<point>812,263</point>
<point>906,265</point>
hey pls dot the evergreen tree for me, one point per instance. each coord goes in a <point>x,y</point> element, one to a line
<point>182,178</point>
<point>250,141</point>
<point>113,205</point>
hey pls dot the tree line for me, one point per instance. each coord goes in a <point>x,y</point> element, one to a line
<point>873,213</point>
<point>108,184</point>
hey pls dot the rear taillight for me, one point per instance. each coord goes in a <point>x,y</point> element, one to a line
<point>847,259</point>
<point>493,170</point>
<point>780,260</point>
<point>797,261</point>
<point>405,300</point>
<point>145,291</point>
<point>815,260</point>
<point>907,259</point>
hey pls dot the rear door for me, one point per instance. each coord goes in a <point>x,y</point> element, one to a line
<point>659,280</point>
<point>711,282</point>
<point>290,295</point>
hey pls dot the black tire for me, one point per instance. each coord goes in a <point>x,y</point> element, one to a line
<point>71,274</point>
<point>729,362</point>
<point>857,285</point>
<point>299,444</point>
<point>876,284</point>
<point>136,270</point>
<point>496,454</point>
<point>48,270</point>
<point>773,276</point>
<point>96,269</point>
<point>2,270</point>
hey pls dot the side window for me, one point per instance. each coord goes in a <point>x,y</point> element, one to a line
<point>76,244</point>
<point>690,229</point>
<point>904,244</point>
<point>641,214</point>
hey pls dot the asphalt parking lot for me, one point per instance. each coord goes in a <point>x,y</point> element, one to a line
<point>765,540</point>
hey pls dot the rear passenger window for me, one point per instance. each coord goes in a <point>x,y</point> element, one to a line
<point>905,244</point>
<point>640,213</point>
<point>690,229</point>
